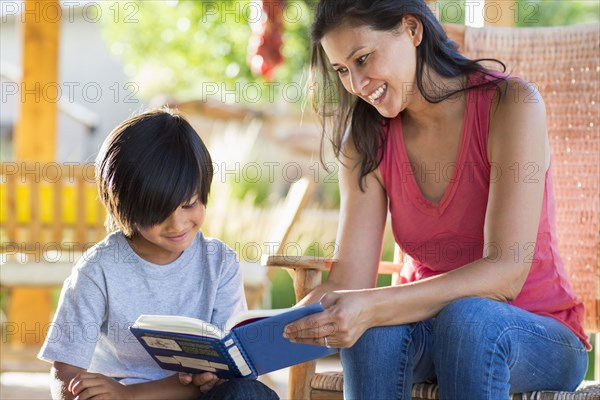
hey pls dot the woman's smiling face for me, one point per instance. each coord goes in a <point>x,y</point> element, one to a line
<point>377,66</point>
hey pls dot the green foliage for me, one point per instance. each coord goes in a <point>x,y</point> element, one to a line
<point>258,190</point>
<point>589,376</point>
<point>296,46</point>
<point>3,299</point>
<point>186,47</point>
<point>556,13</point>
<point>282,290</point>
<point>531,12</point>
<point>189,48</point>
<point>180,47</point>
<point>327,195</point>
<point>450,11</point>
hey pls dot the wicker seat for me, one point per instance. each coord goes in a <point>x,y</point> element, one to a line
<point>329,385</point>
<point>564,64</point>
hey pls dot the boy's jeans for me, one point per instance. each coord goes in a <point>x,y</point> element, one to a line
<point>240,389</point>
<point>475,349</point>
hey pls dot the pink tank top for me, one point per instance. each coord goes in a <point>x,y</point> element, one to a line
<point>440,237</point>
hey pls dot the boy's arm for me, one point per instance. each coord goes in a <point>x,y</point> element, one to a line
<point>68,381</point>
<point>60,377</point>
<point>88,385</point>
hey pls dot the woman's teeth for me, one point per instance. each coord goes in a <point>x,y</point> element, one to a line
<point>373,97</point>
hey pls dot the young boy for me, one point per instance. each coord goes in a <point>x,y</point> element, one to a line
<point>154,175</point>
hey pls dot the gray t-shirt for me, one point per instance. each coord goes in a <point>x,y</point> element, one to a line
<point>111,286</point>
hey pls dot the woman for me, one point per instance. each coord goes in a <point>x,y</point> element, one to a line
<point>460,156</point>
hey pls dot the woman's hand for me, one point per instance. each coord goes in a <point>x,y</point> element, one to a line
<point>87,385</point>
<point>205,381</point>
<point>345,318</point>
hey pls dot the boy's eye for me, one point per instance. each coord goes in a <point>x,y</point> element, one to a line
<point>190,205</point>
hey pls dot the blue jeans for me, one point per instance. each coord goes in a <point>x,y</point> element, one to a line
<point>474,349</point>
<point>240,389</point>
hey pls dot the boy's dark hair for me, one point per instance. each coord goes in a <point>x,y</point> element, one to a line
<point>148,166</point>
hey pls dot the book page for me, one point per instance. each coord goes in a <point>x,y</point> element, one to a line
<point>177,324</point>
<point>248,316</point>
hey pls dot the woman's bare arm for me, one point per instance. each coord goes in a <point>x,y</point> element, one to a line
<point>360,231</point>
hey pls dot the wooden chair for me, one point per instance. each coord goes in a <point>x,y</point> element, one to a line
<point>564,63</point>
<point>257,281</point>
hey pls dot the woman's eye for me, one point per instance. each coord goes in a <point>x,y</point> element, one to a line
<point>362,59</point>
<point>341,70</point>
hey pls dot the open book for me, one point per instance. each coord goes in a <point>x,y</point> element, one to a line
<point>252,343</point>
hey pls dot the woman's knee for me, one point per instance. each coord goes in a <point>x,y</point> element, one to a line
<point>383,360</point>
<point>469,323</point>
<point>473,312</point>
<point>383,338</point>
<point>388,344</point>
<point>378,334</point>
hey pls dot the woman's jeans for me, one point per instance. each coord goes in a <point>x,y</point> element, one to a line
<point>475,349</point>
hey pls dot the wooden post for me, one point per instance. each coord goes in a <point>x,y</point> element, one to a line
<point>35,133</point>
<point>300,375</point>
<point>35,140</point>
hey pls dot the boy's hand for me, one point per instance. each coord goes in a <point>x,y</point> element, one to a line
<point>87,385</point>
<point>205,381</point>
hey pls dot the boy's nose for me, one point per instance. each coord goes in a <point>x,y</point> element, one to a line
<point>177,221</point>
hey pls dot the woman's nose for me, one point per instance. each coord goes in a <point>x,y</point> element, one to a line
<point>357,83</point>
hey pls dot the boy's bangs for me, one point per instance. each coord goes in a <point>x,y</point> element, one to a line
<point>170,181</point>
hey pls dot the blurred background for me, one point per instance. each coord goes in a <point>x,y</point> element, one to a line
<point>237,69</point>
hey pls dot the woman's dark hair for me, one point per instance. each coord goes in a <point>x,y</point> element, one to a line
<point>148,166</point>
<point>339,108</point>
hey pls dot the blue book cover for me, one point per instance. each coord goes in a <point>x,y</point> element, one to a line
<point>250,349</point>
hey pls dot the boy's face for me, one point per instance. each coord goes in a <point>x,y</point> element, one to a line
<point>163,243</point>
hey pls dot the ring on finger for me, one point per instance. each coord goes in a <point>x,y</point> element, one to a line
<point>326,343</point>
